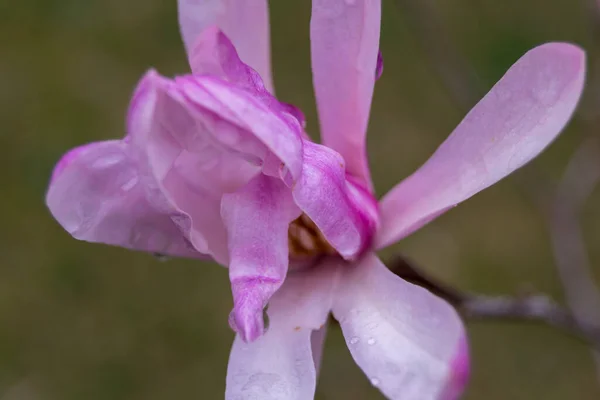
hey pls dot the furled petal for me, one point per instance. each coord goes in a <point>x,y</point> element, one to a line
<point>257,218</point>
<point>201,137</point>
<point>246,23</point>
<point>333,204</point>
<point>512,124</point>
<point>183,162</point>
<point>280,134</point>
<point>344,47</point>
<point>279,365</point>
<point>410,343</point>
<point>214,54</point>
<point>96,194</point>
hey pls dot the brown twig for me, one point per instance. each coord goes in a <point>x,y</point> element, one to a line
<point>532,308</point>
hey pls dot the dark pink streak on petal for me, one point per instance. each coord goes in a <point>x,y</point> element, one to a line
<point>379,68</point>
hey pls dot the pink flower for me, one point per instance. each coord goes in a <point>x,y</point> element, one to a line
<point>214,166</point>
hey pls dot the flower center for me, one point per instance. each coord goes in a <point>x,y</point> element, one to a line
<point>305,239</point>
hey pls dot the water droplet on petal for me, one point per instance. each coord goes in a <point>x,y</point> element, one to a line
<point>354,340</point>
<point>130,184</point>
<point>107,161</point>
<point>374,381</point>
<point>371,341</point>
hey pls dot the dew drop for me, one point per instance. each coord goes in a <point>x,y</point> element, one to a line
<point>371,341</point>
<point>354,340</point>
<point>130,184</point>
<point>374,381</point>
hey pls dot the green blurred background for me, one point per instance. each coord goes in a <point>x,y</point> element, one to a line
<point>84,321</point>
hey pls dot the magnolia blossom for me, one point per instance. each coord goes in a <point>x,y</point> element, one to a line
<point>213,166</point>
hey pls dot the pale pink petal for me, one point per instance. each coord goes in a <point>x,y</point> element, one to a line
<point>317,343</point>
<point>512,124</point>
<point>201,137</point>
<point>96,194</point>
<point>344,46</point>
<point>280,364</point>
<point>336,206</point>
<point>405,339</point>
<point>246,23</point>
<point>182,162</point>
<point>214,54</point>
<point>257,218</point>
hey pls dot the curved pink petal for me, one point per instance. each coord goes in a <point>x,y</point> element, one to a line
<point>214,54</point>
<point>201,137</point>
<point>339,208</point>
<point>182,162</point>
<point>246,23</point>
<point>280,133</point>
<point>344,37</point>
<point>280,365</point>
<point>97,195</point>
<point>512,124</point>
<point>406,340</point>
<point>257,218</point>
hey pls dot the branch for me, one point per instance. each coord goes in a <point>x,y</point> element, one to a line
<point>532,308</point>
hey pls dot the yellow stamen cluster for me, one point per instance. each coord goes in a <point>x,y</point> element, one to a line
<point>305,239</point>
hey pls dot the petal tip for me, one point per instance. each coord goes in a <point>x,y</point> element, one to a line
<point>250,296</point>
<point>571,56</point>
<point>460,371</point>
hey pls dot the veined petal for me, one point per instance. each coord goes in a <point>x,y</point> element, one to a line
<point>246,23</point>
<point>513,123</point>
<point>280,365</point>
<point>257,218</point>
<point>335,205</point>
<point>97,195</point>
<point>344,50</point>
<point>410,343</point>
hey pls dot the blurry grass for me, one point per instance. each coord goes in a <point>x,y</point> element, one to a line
<point>83,321</point>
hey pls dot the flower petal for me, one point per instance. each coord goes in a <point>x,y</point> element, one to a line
<point>344,48</point>
<point>280,133</point>
<point>214,54</point>
<point>512,124</point>
<point>279,365</point>
<point>183,163</point>
<point>405,339</point>
<point>246,23</point>
<point>201,137</point>
<point>317,342</point>
<point>97,195</point>
<point>257,218</point>
<point>335,205</point>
